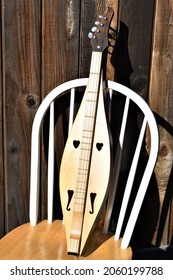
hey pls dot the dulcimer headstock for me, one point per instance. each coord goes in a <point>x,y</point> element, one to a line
<point>99,32</point>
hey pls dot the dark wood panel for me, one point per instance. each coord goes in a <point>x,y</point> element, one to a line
<point>161,95</point>
<point>133,54</point>
<point>21,89</point>
<point>60,63</point>
<point>60,42</point>
<point>2,217</point>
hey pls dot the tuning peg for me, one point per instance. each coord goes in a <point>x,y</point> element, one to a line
<point>97,22</point>
<point>93,29</point>
<point>90,35</point>
<point>101,17</point>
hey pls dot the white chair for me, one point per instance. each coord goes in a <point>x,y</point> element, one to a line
<point>123,248</point>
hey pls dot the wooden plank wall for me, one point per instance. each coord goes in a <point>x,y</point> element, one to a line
<point>161,100</point>
<point>45,43</point>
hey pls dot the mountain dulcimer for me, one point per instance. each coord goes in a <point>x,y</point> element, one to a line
<point>86,161</point>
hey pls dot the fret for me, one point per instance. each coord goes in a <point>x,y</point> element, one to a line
<point>87,130</point>
<point>86,136</point>
<point>83,159</point>
<point>91,100</point>
<point>85,149</point>
<point>89,116</point>
<point>84,165</point>
<point>95,73</point>
<point>85,143</point>
<point>79,190</point>
<point>80,194</point>
<point>92,91</point>
<point>80,181</point>
<point>77,205</point>
<point>79,198</point>
<point>82,169</point>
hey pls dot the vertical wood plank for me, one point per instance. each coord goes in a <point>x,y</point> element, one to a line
<point>2,217</point>
<point>115,24</point>
<point>133,54</point>
<point>21,94</point>
<point>60,48</point>
<point>60,31</point>
<point>161,94</point>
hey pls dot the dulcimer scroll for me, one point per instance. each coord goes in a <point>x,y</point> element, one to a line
<point>86,162</point>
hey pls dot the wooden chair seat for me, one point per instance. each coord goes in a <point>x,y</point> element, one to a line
<point>43,243</point>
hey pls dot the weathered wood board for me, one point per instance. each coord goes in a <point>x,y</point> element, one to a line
<point>161,97</point>
<point>2,210</point>
<point>21,95</point>
<point>60,63</point>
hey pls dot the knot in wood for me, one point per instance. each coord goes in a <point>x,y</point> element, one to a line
<point>164,150</point>
<point>13,148</point>
<point>30,101</point>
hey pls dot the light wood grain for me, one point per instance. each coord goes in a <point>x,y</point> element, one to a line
<point>47,241</point>
<point>161,95</point>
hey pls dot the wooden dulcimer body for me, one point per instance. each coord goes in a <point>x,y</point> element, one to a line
<point>86,162</point>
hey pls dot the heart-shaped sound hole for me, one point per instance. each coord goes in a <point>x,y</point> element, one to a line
<point>76,143</point>
<point>99,146</point>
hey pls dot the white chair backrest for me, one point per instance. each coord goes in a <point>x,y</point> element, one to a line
<point>148,122</point>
